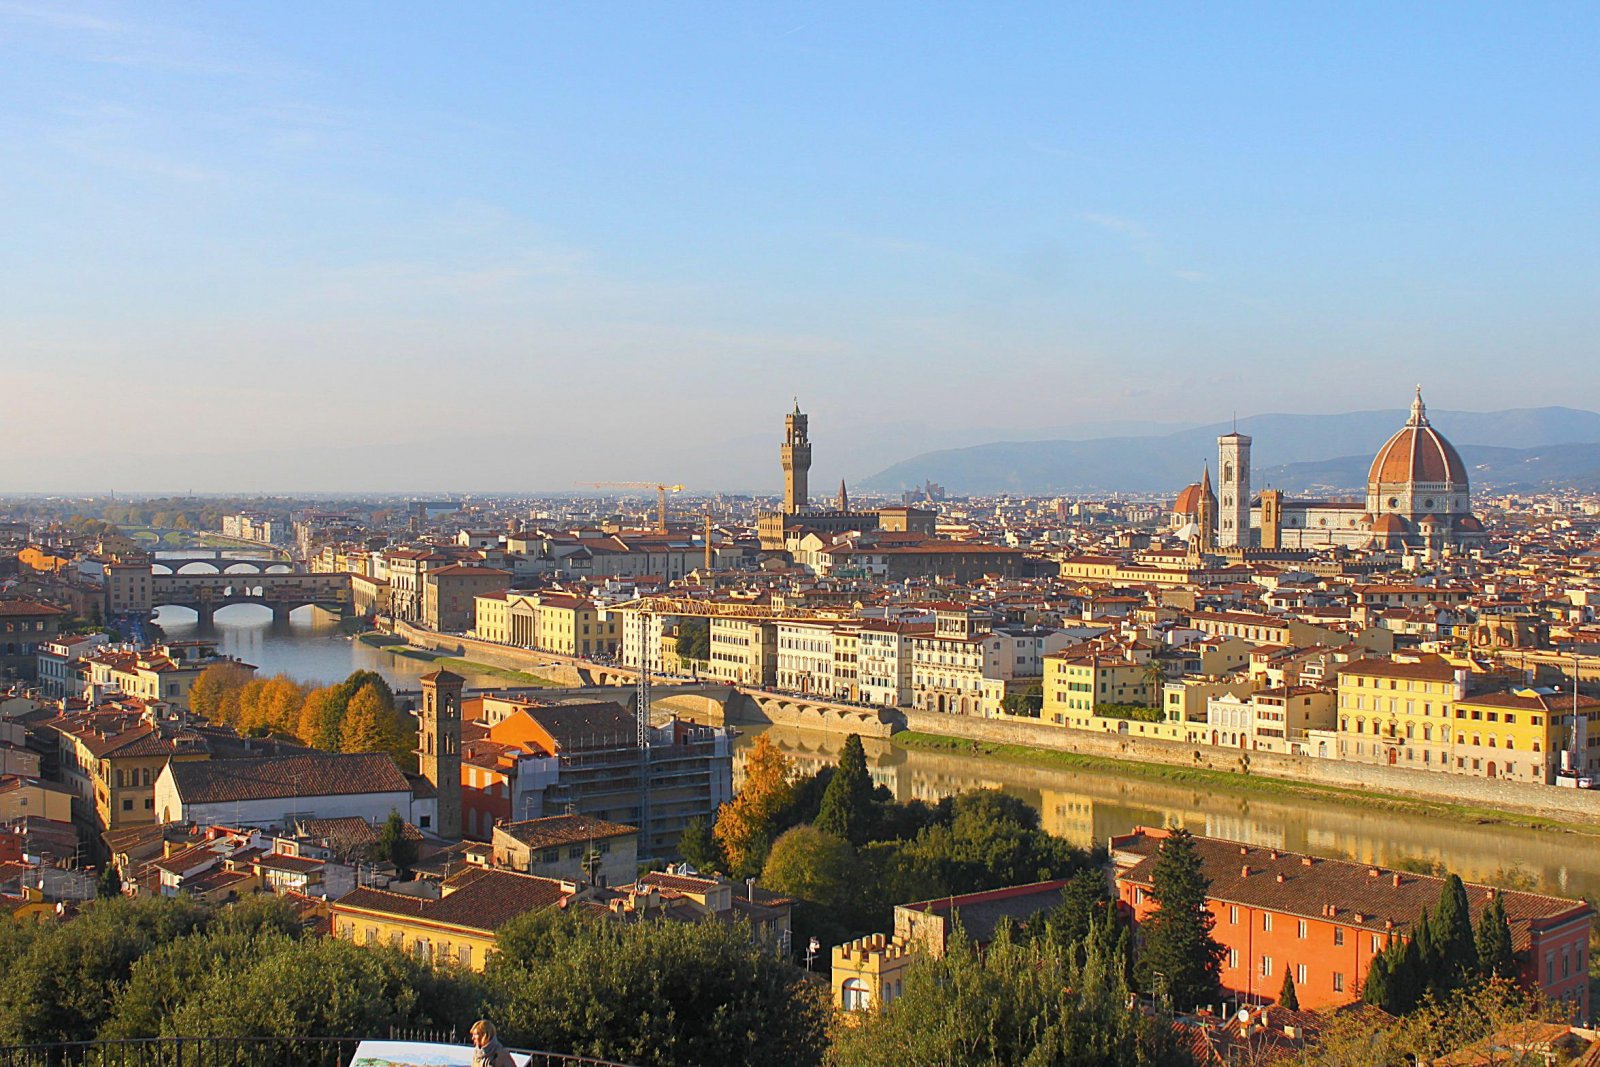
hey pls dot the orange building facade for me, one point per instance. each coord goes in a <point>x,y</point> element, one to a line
<point>1323,921</point>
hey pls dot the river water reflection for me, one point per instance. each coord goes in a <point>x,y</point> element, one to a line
<point>1082,806</point>
<point>1089,806</point>
<point>309,646</point>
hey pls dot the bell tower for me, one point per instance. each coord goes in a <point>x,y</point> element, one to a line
<point>1205,513</point>
<point>1233,504</point>
<point>796,455</point>
<point>439,747</point>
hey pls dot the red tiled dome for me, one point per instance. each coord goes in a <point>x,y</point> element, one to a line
<point>1468,524</point>
<point>1188,500</point>
<point>1417,453</point>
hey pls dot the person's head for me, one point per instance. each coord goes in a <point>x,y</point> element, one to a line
<point>482,1033</point>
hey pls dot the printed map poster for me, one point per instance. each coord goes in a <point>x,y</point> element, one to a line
<point>416,1054</point>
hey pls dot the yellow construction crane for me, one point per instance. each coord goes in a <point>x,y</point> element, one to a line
<point>661,495</point>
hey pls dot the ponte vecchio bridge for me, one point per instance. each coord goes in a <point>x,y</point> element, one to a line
<point>184,583</point>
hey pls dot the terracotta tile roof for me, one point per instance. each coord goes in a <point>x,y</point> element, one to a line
<point>29,607</point>
<point>1424,668</point>
<point>564,829</point>
<point>1350,894</point>
<point>349,834</point>
<point>478,898</point>
<point>574,727</point>
<point>271,777</point>
<point>679,883</point>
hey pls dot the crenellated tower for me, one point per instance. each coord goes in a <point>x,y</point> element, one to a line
<point>796,454</point>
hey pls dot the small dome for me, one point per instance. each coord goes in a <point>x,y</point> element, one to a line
<point>1417,453</point>
<point>1390,524</point>
<point>1468,524</point>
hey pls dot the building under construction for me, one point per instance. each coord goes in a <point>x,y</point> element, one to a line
<point>525,759</point>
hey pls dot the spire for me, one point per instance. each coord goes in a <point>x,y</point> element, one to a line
<point>844,497</point>
<point>797,402</point>
<point>1205,479</point>
<point>1419,411</point>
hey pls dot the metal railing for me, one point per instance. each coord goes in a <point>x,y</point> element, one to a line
<point>234,1052</point>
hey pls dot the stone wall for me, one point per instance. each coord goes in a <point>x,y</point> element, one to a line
<point>1573,805</point>
<point>559,669</point>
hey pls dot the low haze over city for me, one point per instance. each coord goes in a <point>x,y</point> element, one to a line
<point>669,535</point>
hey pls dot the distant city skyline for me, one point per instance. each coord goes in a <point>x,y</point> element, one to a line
<point>505,247</point>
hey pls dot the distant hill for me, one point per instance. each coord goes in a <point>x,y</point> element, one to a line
<point>1519,447</point>
<point>1575,466</point>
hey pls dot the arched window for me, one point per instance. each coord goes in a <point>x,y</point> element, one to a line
<point>856,995</point>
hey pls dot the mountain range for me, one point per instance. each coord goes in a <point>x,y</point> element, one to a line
<point>1520,448</point>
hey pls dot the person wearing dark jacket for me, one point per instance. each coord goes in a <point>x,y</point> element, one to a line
<point>486,1048</point>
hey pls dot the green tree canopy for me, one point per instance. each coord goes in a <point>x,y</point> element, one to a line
<point>1496,958</point>
<point>393,846</point>
<point>1452,934</point>
<point>698,848</point>
<point>1178,955</point>
<point>658,995</point>
<point>1033,1003</point>
<point>62,987</point>
<point>848,809</point>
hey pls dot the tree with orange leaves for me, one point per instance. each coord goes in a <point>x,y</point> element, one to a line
<point>745,825</point>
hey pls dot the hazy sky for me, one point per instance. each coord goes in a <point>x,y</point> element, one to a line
<point>335,245</point>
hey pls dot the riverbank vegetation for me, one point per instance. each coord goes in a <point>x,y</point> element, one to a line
<point>1231,781</point>
<point>849,853</point>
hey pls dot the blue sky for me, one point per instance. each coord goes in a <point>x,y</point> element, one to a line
<point>509,246</point>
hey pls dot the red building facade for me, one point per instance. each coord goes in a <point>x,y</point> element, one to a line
<point>1324,920</point>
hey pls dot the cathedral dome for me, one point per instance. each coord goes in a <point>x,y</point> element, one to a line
<point>1417,453</point>
<point>1188,501</point>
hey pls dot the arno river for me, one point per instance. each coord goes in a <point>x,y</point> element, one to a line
<point>1081,806</point>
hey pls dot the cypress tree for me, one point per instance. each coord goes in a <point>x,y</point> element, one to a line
<point>1452,934</point>
<point>1378,991</point>
<point>1427,949</point>
<point>1287,997</point>
<point>847,808</point>
<point>1178,953</point>
<point>1495,956</point>
<point>1407,980</point>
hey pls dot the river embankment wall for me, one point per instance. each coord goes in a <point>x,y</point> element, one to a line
<point>753,706</point>
<point>748,706</point>
<point>1571,805</point>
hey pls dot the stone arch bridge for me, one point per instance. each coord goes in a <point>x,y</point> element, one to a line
<point>729,705</point>
<point>282,592</point>
<point>219,565</point>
